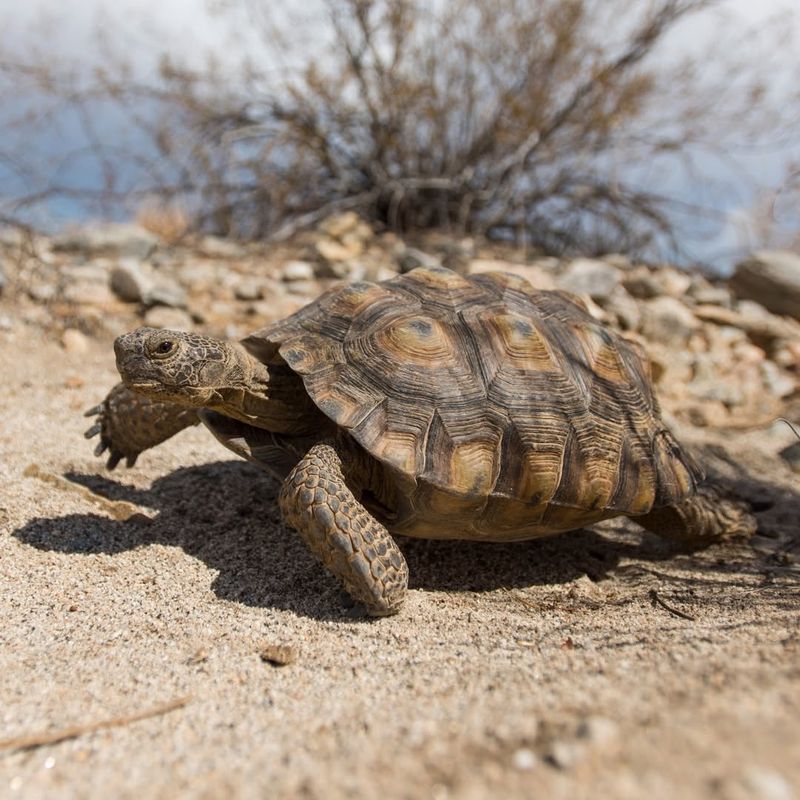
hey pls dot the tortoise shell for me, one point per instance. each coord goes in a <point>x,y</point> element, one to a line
<point>500,412</point>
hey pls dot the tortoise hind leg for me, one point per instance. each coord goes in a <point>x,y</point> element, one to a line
<point>129,423</point>
<point>707,517</point>
<point>353,545</point>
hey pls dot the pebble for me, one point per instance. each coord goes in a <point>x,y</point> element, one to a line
<point>82,292</point>
<point>74,342</point>
<point>524,759</point>
<point>297,271</point>
<point>3,279</point>
<point>587,276</point>
<point>166,317</point>
<point>130,281</point>
<point>668,321</point>
<point>248,290</point>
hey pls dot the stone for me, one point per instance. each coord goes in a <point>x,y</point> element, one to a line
<point>201,275</point>
<point>3,280</point>
<point>587,276</point>
<point>297,271</point>
<point>166,317</point>
<point>673,282</point>
<point>668,321</point>
<point>624,308</point>
<point>42,292</point>
<point>331,250</point>
<point>74,342</point>
<point>524,759</point>
<point>538,277</point>
<point>778,383</point>
<point>217,247</point>
<point>763,328</point>
<point>338,225</point>
<point>111,238</point>
<point>166,293</point>
<point>248,290</point>
<point>771,278</point>
<point>618,260</point>
<point>88,293</point>
<point>642,284</point>
<point>411,258</point>
<point>713,296</point>
<point>131,281</point>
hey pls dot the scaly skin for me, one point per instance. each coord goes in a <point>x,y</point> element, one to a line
<point>129,423</point>
<point>706,517</point>
<point>353,545</point>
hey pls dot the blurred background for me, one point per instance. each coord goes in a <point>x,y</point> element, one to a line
<point>665,129</point>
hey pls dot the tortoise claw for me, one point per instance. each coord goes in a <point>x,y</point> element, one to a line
<point>94,411</point>
<point>114,459</point>
<point>131,460</point>
<point>94,430</point>
<point>101,448</point>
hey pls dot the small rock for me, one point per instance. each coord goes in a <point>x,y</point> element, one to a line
<point>216,247</point>
<point>778,383</point>
<point>618,260</point>
<point>331,250</point>
<point>339,225</point>
<point>767,784</point>
<point>303,288</point>
<point>624,308</point>
<point>599,731</point>
<point>771,278</point>
<point>411,258</point>
<point>248,290</point>
<point>713,296</point>
<point>279,655</point>
<point>167,317</point>
<point>297,271</point>
<point>5,323</point>
<point>565,755</point>
<point>74,342</point>
<point>2,279</point>
<point>86,293</point>
<point>42,292</point>
<point>642,284</point>
<point>673,282</point>
<point>524,759</point>
<point>668,321</point>
<point>201,275</point>
<point>116,239</point>
<point>538,276</point>
<point>131,281</point>
<point>166,293</point>
<point>587,276</point>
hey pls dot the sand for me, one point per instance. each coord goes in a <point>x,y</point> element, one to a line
<point>601,663</point>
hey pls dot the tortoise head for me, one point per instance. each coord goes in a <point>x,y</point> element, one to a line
<point>176,366</point>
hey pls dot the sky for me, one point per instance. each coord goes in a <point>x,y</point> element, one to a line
<point>190,29</point>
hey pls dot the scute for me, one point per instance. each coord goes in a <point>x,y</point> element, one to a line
<point>491,403</point>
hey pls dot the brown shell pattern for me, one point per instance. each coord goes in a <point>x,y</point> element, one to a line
<point>501,411</point>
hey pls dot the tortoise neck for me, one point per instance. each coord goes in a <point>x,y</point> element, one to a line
<point>268,396</point>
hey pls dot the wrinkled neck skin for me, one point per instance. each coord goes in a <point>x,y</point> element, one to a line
<point>265,396</point>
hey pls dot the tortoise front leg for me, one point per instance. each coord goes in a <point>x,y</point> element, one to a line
<point>353,545</point>
<point>129,423</point>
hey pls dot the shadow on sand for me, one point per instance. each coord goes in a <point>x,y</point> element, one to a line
<point>225,513</point>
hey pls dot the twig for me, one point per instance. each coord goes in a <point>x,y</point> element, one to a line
<point>73,732</point>
<point>657,601</point>
<point>794,430</point>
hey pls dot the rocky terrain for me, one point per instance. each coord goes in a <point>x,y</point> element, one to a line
<point>602,661</point>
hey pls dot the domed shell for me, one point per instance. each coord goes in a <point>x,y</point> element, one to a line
<point>500,411</point>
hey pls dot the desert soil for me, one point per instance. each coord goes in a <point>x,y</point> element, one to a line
<point>601,663</point>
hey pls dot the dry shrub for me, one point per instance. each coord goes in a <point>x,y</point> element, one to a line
<point>559,124</point>
<point>170,222</point>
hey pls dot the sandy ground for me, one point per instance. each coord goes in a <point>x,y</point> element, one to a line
<point>546,668</point>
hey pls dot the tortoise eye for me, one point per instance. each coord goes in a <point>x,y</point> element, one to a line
<point>164,348</point>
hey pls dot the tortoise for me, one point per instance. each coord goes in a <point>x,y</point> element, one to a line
<point>432,405</point>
